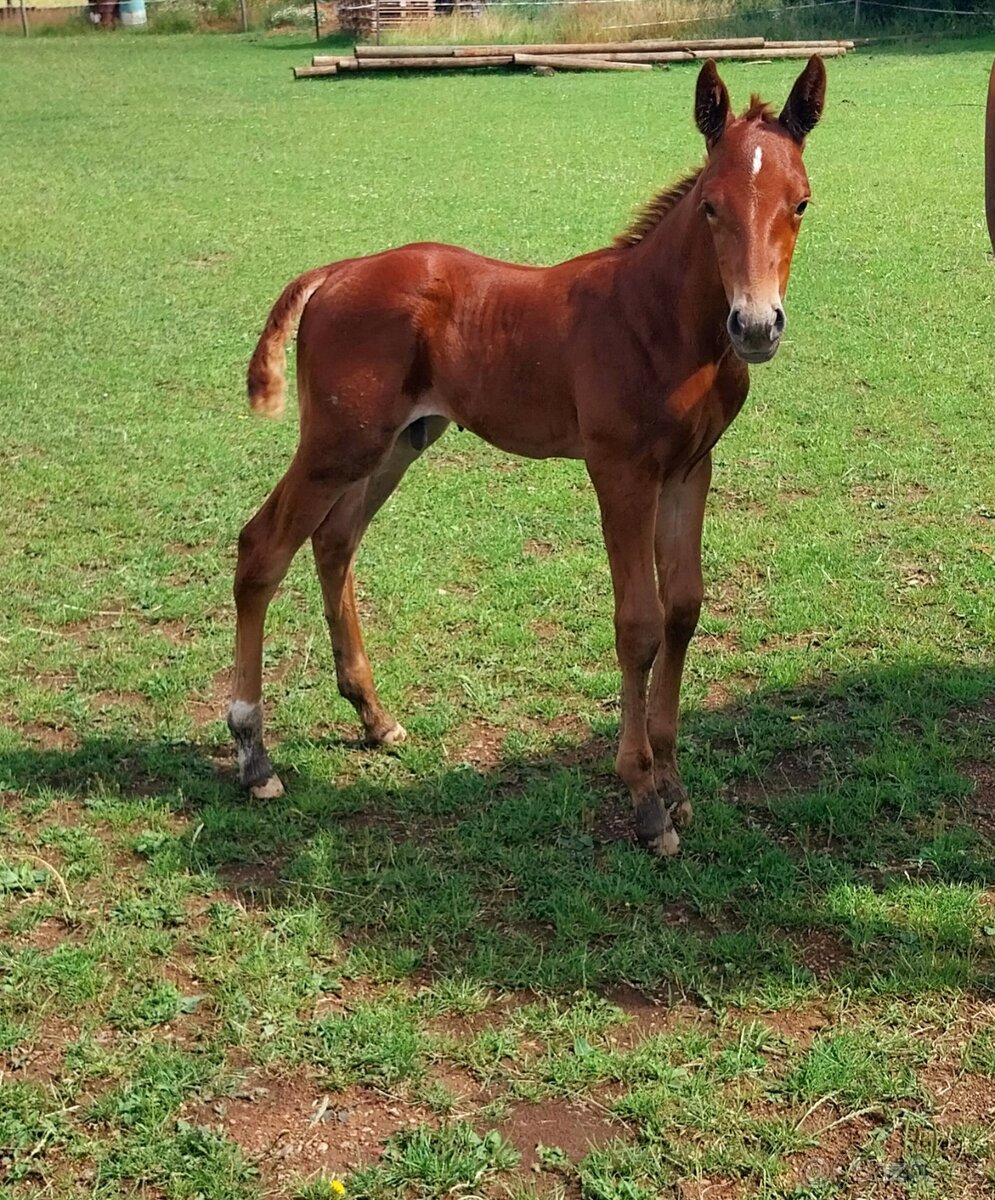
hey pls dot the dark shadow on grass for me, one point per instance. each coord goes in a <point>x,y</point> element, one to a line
<point>843,831</point>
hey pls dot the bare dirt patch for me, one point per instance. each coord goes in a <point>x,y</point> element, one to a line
<point>573,1128</point>
<point>546,630</point>
<point>795,772</point>
<point>291,1125</point>
<point>821,952</point>
<point>538,549</point>
<point>480,744</point>
<point>711,1189</point>
<point>799,1026</point>
<point>47,736</point>
<point>839,1143</point>
<point>40,1061</point>
<point>722,643</point>
<point>210,705</point>
<point>612,820</point>
<point>649,1017</point>
<point>959,1098</point>
<point>982,801</point>
<point>727,694</point>
<point>110,700</point>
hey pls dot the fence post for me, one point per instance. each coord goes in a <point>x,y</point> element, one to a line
<point>856,13</point>
<point>245,16</point>
<point>317,23</point>
<point>24,18</point>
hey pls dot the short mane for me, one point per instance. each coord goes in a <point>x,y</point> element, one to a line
<point>650,215</point>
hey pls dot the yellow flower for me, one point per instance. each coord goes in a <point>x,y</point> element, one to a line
<point>336,1187</point>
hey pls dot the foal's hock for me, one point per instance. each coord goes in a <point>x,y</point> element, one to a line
<point>632,358</point>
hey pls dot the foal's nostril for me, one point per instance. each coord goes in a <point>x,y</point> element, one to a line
<point>736,323</point>
<point>779,321</point>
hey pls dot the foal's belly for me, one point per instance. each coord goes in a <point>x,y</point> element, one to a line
<point>527,426</point>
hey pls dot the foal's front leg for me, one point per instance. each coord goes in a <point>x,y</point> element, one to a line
<point>679,518</point>
<point>628,500</point>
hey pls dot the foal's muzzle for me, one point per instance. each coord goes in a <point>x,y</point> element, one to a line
<point>755,331</point>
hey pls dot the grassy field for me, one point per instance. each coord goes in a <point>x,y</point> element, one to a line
<point>448,970</point>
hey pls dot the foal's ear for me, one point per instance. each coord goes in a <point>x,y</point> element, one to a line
<point>804,107</point>
<point>711,104</point>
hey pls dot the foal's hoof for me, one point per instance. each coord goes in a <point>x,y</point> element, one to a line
<point>655,829</point>
<point>386,735</point>
<point>665,845</point>
<point>269,789</point>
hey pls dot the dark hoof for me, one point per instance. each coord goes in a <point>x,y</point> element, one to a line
<point>655,829</point>
<point>254,769</point>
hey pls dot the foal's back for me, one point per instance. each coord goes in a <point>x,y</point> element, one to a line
<point>435,330</point>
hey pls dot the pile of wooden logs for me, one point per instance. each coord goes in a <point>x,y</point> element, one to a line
<point>587,56</point>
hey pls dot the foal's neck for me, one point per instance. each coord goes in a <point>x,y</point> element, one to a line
<point>671,283</point>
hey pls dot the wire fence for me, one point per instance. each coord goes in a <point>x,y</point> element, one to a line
<point>348,12</point>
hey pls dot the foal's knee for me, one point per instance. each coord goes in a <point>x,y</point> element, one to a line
<point>253,570</point>
<point>682,613</point>
<point>638,636</point>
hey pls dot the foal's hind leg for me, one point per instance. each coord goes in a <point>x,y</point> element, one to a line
<point>266,547</point>
<point>335,543</point>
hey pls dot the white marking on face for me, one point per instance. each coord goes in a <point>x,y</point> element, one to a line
<point>758,159</point>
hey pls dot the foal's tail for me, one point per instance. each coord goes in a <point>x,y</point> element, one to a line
<point>267,382</point>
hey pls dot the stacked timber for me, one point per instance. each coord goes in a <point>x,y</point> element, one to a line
<point>640,55</point>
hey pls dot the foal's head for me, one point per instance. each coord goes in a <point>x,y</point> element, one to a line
<point>753,192</point>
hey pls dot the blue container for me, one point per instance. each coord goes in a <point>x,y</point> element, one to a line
<point>132,12</point>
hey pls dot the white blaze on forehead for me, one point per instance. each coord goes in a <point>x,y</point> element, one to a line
<point>758,158</point>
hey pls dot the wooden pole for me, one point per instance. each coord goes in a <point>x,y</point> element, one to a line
<point>316,72</point>
<point>577,62</point>
<point>425,64</point>
<point>317,23</point>
<point>245,16</point>
<point>669,56</point>
<point>990,159</point>
<point>588,48</point>
<point>825,44</point>
<point>24,18</point>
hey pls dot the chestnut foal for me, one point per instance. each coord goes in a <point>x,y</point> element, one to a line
<point>632,358</point>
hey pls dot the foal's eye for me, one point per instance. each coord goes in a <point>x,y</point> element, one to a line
<point>708,209</point>
<point>800,208</point>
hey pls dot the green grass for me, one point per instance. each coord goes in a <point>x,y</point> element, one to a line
<point>416,967</point>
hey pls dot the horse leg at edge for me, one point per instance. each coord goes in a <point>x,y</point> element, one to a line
<point>680,514</point>
<point>335,543</point>
<point>266,547</point>
<point>628,501</point>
